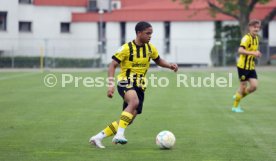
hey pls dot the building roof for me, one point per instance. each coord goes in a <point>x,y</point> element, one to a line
<point>153,10</point>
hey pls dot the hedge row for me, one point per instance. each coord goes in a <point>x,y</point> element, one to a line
<point>34,62</point>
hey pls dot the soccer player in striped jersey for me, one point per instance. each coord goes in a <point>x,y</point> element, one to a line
<point>134,60</point>
<point>249,51</point>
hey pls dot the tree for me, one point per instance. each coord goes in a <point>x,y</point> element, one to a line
<point>237,9</point>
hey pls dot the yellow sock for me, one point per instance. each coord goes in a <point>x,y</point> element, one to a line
<point>237,100</point>
<point>111,129</point>
<point>125,119</point>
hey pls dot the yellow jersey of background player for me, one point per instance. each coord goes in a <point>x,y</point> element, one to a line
<point>134,60</point>
<point>249,51</point>
<point>249,42</point>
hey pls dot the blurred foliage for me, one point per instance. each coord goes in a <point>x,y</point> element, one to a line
<point>227,40</point>
<point>240,10</point>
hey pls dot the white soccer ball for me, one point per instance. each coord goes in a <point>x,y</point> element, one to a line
<point>165,140</point>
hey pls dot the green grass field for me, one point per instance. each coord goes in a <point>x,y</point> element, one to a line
<point>46,124</point>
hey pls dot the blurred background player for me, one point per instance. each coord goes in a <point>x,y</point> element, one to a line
<point>248,51</point>
<point>134,60</point>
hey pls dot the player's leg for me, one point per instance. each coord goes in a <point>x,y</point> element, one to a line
<point>238,96</point>
<point>113,127</point>
<point>242,88</point>
<point>134,116</point>
<point>252,79</point>
<point>108,131</point>
<point>244,91</point>
<point>127,115</point>
<point>253,85</point>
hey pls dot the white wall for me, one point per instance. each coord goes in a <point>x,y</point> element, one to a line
<point>8,38</point>
<point>46,32</point>
<point>80,42</point>
<point>157,37</point>
<point>113,37</point>
<point>130,31</point>
<point>46,20</point>
<point>191,42</point>
<point>272,33</point>
<point>224,23</point>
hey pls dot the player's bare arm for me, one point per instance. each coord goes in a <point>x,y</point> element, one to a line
<point>111,72</point>
<point>255,53</point>
<point>162,63</point>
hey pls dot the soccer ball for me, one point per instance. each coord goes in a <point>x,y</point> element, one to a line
<point>165,140</point>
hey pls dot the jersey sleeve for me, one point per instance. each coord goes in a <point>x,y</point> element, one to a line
<point>154,56</point>
<point>120,54</point>
<point>245,41</point>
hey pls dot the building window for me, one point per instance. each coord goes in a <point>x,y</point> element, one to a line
<point>167,37</point>
<point>265,32</point>
<point>123,32</point>
<point>3,21</point>
<point>65,27</point>
<point>25,1</point>
<point>92,5</point>
<point>102,37</point>
<point>25,26</point>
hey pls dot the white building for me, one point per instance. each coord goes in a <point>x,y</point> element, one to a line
<point>71,28</point>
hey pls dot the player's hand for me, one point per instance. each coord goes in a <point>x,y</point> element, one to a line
<point>258,54</point>
<point>110,91</point>
<point>174,67</point>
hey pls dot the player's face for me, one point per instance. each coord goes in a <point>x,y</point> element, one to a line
<point>145,35</point>
<point>254,29</point>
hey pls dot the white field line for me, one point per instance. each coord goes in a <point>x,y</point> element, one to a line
<point>18,75</point>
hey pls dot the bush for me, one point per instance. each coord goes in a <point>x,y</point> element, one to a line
<point>34,62</point>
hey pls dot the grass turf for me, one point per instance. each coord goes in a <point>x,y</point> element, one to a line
<point>41,123</point>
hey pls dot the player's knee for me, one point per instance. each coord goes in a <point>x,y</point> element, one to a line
<point>134,103</point>
<point>253,88</point>
<point>243,88</point>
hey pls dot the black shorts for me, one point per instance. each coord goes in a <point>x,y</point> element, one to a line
<point>123,88</point>
<point>244,75</point>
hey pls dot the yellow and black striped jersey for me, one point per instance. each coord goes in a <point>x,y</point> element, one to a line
<point>249,43</point>
<point>134,61</point>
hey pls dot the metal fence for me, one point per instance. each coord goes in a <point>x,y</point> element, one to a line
<point>225,52</point>
<point>49,53</point>
<point>83,53</point>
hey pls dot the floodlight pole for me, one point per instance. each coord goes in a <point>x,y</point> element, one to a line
<point>101,51</point>
<point>224,54</point>
<point>46,60</point>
